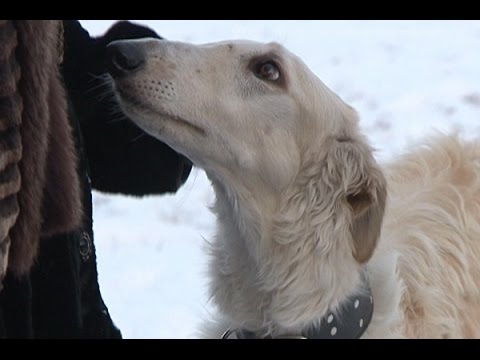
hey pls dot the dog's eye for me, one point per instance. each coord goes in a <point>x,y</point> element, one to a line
<point>267,71</point>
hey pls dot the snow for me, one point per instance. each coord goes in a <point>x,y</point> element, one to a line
<point>405,78</point>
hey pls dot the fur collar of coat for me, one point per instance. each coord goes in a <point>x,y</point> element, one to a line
<point>39,188</point>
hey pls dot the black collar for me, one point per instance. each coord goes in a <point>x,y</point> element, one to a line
<point>351,320</point>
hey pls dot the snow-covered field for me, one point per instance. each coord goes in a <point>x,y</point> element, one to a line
<point>405,78</point>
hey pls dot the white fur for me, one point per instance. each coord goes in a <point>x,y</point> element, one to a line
<point>301,202</point>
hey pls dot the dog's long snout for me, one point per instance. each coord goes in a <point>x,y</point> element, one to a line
<point>124,57</point>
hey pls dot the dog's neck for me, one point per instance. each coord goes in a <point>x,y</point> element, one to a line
<point>268,274</point>
<point>351,323</point>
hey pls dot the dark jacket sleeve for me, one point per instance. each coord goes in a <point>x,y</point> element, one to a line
<point>121,157</point>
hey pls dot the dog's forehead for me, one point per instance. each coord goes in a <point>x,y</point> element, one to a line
<point>243,46</point>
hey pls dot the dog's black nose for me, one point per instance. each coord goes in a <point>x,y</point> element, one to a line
<point>123,57</point>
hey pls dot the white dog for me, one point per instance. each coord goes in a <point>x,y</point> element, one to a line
<point>308,245</point>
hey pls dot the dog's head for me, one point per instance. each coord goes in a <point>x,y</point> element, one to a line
<point>255,114</point>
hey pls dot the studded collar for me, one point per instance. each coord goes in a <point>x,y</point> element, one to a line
<point>350,322</point>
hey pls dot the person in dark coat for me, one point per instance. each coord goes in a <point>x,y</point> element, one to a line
<point>50,286</point>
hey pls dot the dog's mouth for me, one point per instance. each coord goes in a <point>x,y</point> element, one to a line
<point>139,104</point>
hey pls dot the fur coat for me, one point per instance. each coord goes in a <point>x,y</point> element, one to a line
<point>39,189</point>
<point>58,141</point>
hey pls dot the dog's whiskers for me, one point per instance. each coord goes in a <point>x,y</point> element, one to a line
<point>136,138</point>
<point>103,80</point>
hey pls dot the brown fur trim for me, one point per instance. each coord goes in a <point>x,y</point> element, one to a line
<point>8,214</point>
<point>10,142</point>
<point>61,203</point>
<point>4,251</point>
<point>8,39</point>
<point>10,149</point>
<point>9,181</point>
<point>11,107</point>
<point>49,196</point>
<point>7,81</point>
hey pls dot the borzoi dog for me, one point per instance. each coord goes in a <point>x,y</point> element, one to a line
<point>308,243</point>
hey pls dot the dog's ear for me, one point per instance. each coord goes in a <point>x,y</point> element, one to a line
<point>362,191</point>
<point>367,207</point>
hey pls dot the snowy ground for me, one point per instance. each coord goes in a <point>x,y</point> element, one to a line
<point>405,78</point>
